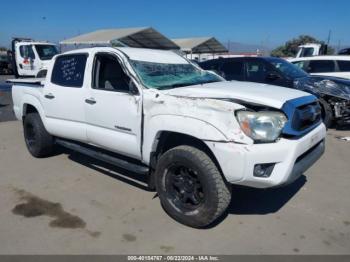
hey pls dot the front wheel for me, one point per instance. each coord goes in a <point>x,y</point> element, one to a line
<point>190,186</point>
<point>327,113</point>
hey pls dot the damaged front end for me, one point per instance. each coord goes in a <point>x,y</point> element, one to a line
<point>335,91</point>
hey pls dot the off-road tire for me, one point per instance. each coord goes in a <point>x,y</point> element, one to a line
<point>39,142</point>
<point>327,113</point>
<point>216,192</point>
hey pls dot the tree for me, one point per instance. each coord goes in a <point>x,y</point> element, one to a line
<point>290,48</point>
<point>3,48</point>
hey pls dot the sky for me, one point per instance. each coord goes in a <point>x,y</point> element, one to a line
<point>251,21</point>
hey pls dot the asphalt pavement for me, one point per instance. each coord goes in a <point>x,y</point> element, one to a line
<point>6,112</point>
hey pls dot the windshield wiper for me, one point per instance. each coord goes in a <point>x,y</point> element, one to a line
<point>186,84</point>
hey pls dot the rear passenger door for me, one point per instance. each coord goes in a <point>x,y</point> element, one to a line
<point>113,107</point>
<point>63,97</point>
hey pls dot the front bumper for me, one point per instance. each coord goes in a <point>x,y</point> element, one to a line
<point>292,157</point>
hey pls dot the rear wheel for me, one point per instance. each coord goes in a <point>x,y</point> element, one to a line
<point>190,186</point>
<point>39,142</point>
<point>327,113</point>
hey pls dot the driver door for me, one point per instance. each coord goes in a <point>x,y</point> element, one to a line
<point>260,71</point>
<point>113,113</point>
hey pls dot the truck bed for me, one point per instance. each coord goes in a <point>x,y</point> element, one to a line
<point>24,89</point>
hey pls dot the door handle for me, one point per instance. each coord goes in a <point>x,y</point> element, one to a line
<point>90,101</point>
<point>49,96</point>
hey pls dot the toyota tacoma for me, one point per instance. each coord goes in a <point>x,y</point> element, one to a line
<point>156,113</point>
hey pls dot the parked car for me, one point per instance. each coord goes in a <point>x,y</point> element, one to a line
<point>333,93</point>
<point>338,66</point>
<point>30,57</point>
<point>5,67</point>
<point>345,51</point>
<point>192,133</point>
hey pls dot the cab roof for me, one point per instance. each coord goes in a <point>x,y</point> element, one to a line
<point>322,57</point>
<point>140,54</point>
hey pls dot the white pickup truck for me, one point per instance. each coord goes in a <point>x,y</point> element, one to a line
<point>191,132</point>
<point>31,58</point>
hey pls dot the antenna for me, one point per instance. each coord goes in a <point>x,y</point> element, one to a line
<point>339,41</point>
<point>329,36</point>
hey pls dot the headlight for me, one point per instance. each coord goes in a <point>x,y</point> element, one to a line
<point>264,126</point>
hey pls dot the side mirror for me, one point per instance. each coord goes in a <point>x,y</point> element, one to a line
<point>272,76</point>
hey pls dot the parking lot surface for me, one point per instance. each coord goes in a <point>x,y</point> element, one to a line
<point>71,204</point>
<point>6,113</point>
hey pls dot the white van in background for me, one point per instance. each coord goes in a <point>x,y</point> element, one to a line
<point>29,56</point>
<point>338,66</point>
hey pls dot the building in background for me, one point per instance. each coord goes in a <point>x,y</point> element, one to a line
<point>141,37</point>
<point>201,48</point>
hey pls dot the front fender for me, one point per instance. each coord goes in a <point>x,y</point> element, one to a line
<point>180,124</point>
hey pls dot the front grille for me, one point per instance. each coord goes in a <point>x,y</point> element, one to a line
<point>303,113</point>
<point>306,116</point>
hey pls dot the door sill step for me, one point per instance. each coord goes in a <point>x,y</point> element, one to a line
<point>103,156</point>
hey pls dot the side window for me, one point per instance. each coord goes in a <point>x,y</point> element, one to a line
<point>344,66</point>
<point>21,51</point>
<point>321,66</point>
<point>233,70</point>
<point>108,74</point>
<point>26,51</point>
<point>256,71</point>
<point>69,70</point>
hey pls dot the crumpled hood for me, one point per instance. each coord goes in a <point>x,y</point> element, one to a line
<point>263,94</point>
<point>328,85</point>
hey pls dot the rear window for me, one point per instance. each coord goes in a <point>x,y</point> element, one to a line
<point>344,66</point>
<point>69,70</point>
<point>321,66</point>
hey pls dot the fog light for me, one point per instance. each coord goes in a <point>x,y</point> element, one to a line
<point>263,170</point>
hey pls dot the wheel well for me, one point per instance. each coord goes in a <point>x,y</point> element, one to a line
<point>29,109</point>
<point>168,140</point>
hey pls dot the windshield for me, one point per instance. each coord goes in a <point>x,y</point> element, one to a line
<point>307,51</point>
<point>46,52</point>
<point>167,76</point>
<point>290,70</point>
